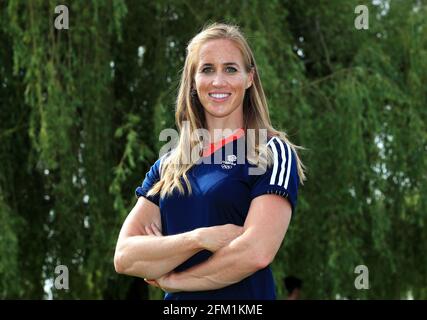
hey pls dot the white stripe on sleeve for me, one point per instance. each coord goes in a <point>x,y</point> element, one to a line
<point>288,170</point>
<point>276,161</point>
<point>282,164</point>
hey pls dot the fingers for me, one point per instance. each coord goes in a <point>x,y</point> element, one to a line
<point>156,230</point>
<point>152,282</point>
<point>149,231</point>
<point>153,230</point>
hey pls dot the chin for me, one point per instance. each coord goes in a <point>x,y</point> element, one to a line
<point>219,113</point>
<point>220,109</point>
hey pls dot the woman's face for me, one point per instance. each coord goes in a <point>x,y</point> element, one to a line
<point>221,78</point>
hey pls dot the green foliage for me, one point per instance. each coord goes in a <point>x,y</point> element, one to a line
<point>8,248</point>
<point>81,111</point>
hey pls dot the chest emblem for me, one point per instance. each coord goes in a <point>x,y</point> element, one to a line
<point>229,163</point>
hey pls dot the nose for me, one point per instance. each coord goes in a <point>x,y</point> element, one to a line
<point>219,80</point>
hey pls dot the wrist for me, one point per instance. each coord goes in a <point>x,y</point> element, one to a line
<point>197,236</point>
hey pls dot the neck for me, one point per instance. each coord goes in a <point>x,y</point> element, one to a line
<point>220,128</point>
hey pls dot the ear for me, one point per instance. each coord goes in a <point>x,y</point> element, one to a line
<point>250,78</point>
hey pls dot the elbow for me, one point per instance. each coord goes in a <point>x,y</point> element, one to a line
<point>255,256</point>
<point>118,266</point>
<point>260,260</point>
<point>124,264</point>
<point>119,262</point>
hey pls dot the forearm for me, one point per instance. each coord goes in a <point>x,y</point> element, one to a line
<point>151,256</point>
<point>227,266</point>
<point>264,231</point>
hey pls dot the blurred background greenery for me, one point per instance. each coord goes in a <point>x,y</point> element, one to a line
<point>81,110</point>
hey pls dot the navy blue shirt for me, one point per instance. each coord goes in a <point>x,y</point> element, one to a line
<point>221,194</point>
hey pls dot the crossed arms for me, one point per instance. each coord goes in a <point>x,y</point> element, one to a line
<point>238,252</point>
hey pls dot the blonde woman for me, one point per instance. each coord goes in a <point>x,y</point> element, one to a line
<point>209,229</point>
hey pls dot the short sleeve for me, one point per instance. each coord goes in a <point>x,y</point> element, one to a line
<point>281,177</point>
<point>152,176</point>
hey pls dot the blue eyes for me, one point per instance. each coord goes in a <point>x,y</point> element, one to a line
<point>210,70</point>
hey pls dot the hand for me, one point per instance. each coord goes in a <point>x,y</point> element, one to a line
<point>164,282</point>
<point>216,237</point>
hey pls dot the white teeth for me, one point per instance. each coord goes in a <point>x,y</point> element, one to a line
<point>219,95</point>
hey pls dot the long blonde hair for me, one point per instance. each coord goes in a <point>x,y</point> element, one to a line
<point>189,109</point>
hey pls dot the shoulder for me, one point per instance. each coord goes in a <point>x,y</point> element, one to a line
<point>280,148</point>
<point>283,160</point>
<point>158,165</point>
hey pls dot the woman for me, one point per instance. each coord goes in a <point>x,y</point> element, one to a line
<point>210,230</point>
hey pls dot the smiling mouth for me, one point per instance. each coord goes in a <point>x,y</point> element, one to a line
<point>219,96</point>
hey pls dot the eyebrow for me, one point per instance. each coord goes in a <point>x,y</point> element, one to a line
<point>225,64</point>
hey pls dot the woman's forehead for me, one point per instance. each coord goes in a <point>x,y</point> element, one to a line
<point>219,51</point>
